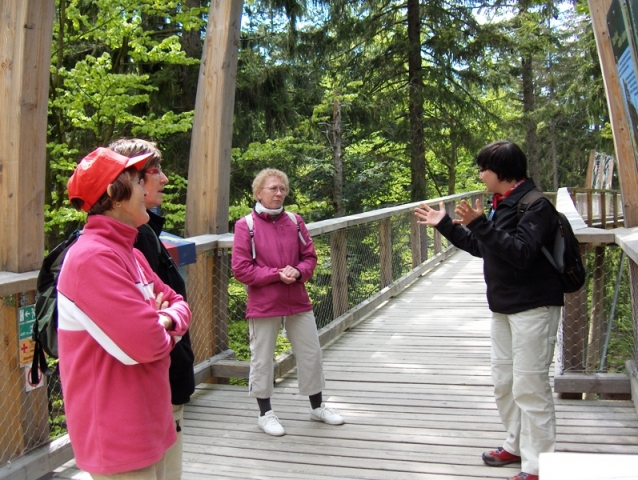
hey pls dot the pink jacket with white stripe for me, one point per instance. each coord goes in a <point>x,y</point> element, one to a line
<point>114,353</point>
<point>277,244</point>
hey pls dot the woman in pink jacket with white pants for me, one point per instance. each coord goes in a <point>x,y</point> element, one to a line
<point>275,264</point>
<point>117,325</point>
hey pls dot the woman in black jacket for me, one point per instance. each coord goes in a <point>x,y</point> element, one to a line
<point>181,374</point>
<point>524,294</point>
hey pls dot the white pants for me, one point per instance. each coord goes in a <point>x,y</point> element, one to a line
<point>522,351</point>
<point>302,333</point>
<point>174,454</point>
<point>156,471</point>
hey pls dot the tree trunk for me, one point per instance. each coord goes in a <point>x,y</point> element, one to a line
<point>554,154</point>
<point>337,194</point>
<point>451,169</point>
<point>531,139</point>
<point>415,94</point>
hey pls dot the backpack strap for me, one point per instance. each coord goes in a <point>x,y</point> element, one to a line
<point>293,217</point>
<point>250,223</point>
<point>39,363</point>
<point>251,231</point>
<point>523,204</point>
<point>530,197</point>
<point>154,235</point>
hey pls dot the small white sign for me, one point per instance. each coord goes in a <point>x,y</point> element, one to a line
<point>28,384</point>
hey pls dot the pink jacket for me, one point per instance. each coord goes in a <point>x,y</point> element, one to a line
<point>114,354</point>
<point>277,244</point>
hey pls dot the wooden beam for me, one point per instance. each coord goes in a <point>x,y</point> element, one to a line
<point>630,367</point>
<point>231,369</point>
<point>207,197</point>
<point>625,154</point>
<point>40,461</point>
<point>569,382</point>
<point>26,28</point>
<point>627,169</point>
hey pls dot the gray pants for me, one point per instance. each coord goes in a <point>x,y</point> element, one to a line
<point>302,333</point>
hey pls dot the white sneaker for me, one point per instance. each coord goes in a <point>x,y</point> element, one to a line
<point>323,414</point>
<point>269,423</point>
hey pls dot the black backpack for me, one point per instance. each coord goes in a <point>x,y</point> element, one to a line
<point>565,255</point>
<point>45,327</point>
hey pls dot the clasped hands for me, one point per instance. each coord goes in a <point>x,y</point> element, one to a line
<point>289,274</point>
<point>429,216</point>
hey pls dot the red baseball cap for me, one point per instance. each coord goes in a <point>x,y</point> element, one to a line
<point>97,171</point>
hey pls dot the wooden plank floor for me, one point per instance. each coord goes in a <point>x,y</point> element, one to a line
<point>412,382</point>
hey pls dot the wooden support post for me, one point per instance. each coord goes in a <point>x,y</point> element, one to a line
<point>209,166</point>
<point>25,58</point>
<point>438,242</point>
<point>207,198</point>
<point>425,242</point>
<point>26,28</point>
<point>597,319</point>
<point>385,251</point>
<point>625,154</point>
<point>416,243</point>
<point>339,261</point>
<point>627,169</point>
<point>589,179</point>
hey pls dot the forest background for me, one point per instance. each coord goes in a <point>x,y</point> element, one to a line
<point>364,103</point>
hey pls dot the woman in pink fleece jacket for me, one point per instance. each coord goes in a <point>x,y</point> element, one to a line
<point>275,269</point>
<point>117,325</point>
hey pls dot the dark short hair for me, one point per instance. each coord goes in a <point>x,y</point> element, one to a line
<point>505,159</point>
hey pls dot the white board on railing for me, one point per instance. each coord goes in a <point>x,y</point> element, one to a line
<point>564,204</point>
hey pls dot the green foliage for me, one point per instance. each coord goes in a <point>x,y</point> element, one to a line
<point>122,68</point>
<point>174,204</point>
<point>113,71</point>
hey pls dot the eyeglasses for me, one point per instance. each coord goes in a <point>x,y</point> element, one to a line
<point>154,171</point>
<point>276,189</point>
<point>140,181</point>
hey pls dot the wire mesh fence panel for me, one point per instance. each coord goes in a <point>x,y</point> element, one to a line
<point>597,329</point>
<point>25,408</point>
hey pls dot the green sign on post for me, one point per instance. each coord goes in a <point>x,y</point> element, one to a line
<point>26,319</point>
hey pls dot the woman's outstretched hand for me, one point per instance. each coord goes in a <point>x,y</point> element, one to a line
<point>429,216</point>
<point>466,213</point>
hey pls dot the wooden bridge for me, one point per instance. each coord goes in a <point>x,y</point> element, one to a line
<point>412,380</point>
<point>410,374</point>
<point>405,330</point>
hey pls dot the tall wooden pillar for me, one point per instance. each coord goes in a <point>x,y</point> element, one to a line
<point>627,164</point>
<point>26,28</point>
<point>207,198</point>
<point>209,168</point>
